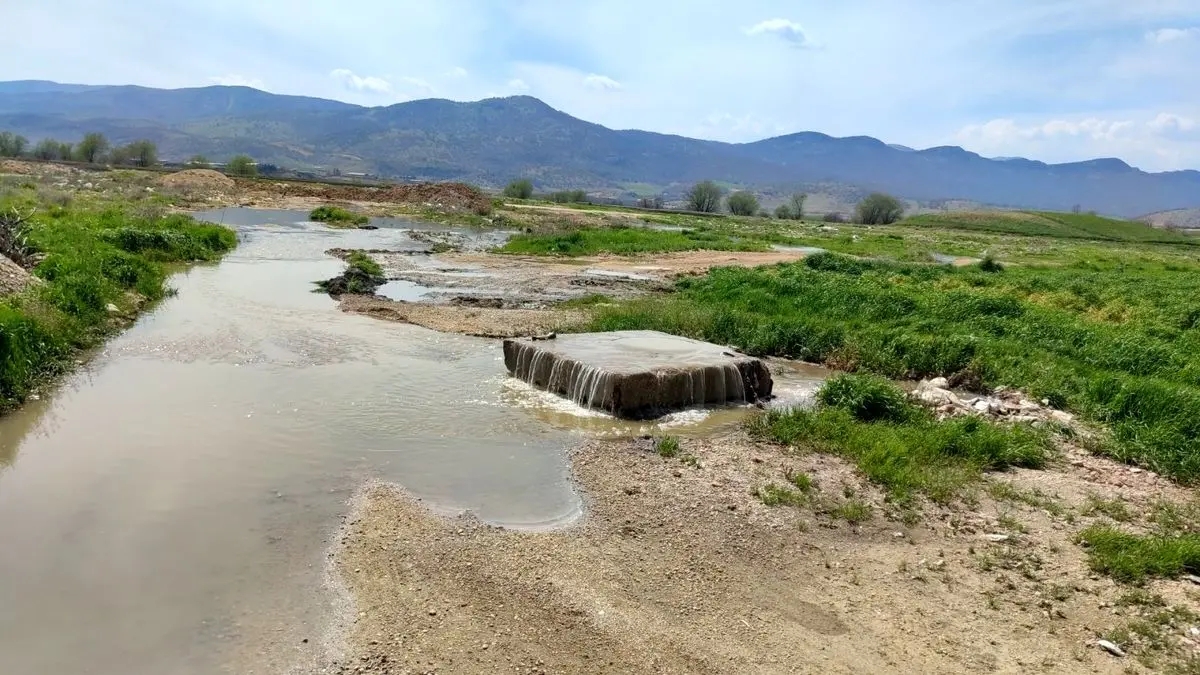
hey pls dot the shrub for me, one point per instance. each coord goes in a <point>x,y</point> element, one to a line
<point>869,398</point>
<point>704,197</point>
<point>568,197</point>
<point>244,166</point>
<point>519,189</point>
<point>878,209</point>
<point>833,217</point>
<point>742,203</point>
<point>337,215</point>
<point>667,446</point>
<point>783,212</point>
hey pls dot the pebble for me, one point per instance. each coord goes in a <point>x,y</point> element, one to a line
<point>1111,648</point>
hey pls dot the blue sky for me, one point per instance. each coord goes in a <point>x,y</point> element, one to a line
<point>1057,80</point>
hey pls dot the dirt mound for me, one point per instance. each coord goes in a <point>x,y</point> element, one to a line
<point>453,195</point>
<point>13,277</point>
<point>198,179</point>
<point>445,196</point>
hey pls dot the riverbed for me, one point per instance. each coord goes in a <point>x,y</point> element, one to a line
<point>170,508</point>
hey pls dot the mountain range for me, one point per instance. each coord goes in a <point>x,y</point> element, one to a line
<point>495,140</point>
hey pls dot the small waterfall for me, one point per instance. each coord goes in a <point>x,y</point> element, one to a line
<point>563,367</point>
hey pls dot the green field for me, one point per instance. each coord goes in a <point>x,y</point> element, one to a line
<point>1115,338</point>
<point>628,240</point>
<point>1051,224</point>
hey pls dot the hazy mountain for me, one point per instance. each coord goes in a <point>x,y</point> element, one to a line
<point>494,140</point>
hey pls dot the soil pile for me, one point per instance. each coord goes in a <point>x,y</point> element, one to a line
<point>445,196</point>
<point>458,196</point>
<point>198,179</point>
<point>13,277</point>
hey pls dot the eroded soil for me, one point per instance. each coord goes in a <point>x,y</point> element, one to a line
<point>679,568</point>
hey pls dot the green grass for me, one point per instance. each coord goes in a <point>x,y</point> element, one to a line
<point>1051,224</point>
<point>1134,558</point>
<point>337,216</point>
<point>779,495</point>
<point>1115,337</point>
<point>1114,509</point>
<point>852,511</point>
<point>93,258</point>
<point>625,241</point>
<point>909,453</point>
<point>667,446</point>
<point>362,276</point>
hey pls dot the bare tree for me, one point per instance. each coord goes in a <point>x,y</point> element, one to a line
<point>796,205</point>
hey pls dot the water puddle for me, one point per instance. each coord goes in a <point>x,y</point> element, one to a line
<point>806,250</point>
<point>404,291</point>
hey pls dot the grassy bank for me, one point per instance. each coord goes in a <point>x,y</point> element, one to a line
<point>94,260</point>
<point>1051,224</point>
<point>629,240</point>
<point>1117,340</point>
<point>898,444</point>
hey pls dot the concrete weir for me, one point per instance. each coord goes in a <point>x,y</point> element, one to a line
<point>637,374</point>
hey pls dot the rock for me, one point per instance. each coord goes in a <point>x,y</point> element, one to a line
<point>111,308</point>
<point>1062,417</point>
<point>939,382</point>
<point>87,186</point>
<point>1110,648</point>
<point>1194,632</point>
<point>1192,578</point>
<point>997,537</point>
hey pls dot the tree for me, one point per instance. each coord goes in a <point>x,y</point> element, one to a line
<point>519,189</point>
<point>833,217</point>
<point>12,145</point>
<point>142,153</point>
<point>120,155</point>
<point>783,212</point>
<point>92,148</point>
<point>796,205</point>
<point>704,197</point>
<point>655,202</point>
<point>199,162</point>
<point>66,151</point>
<point>47,148</point>
<point>878,209</point>
<point>243,165</point>
<point>743,203</point>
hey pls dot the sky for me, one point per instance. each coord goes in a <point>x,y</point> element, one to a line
<point>1055,80</point>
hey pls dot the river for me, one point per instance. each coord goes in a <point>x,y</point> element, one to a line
<point>170,508</point>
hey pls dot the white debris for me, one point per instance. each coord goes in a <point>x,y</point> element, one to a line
<point>939,383</point>
<point>1110,648</point>
<point>1192,578</point>
<point>111,308</point>
<point>996,537</point>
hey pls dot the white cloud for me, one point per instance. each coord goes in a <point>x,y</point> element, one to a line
<point>369,83</point>
<point>1164,35</point>
<point>235,80</point>
<point>784,29</point>
<point>1004,130</point>
<point>602,82</point>
<point>409,82</point>
<point>1166,124</point>
<point>457,72</point>
<point>518,85</point>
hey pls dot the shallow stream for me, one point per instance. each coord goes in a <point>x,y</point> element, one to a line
<point>170,508</point>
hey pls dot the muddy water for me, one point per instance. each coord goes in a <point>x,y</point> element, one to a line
<point>169,509</point>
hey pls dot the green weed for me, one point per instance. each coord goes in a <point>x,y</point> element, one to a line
<point>667,446</point>
<point>778,495</point>
<point>853,511</point>
<point>1133,558</point>
<point>626,241</point>
<point>337,216</point>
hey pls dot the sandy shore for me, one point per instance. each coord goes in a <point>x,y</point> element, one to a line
<point>679,568</point>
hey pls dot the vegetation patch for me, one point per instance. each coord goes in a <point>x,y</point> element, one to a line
<point>900,446</point>
<point>1116,340</point>
<point>97,265</point>
<point>626,241</point>
<point>336,216</point>
<point>1052,224</point>
<point>1133,558</point>
<point>362,276</point>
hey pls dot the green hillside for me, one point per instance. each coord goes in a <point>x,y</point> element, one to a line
<point>1051,224</point>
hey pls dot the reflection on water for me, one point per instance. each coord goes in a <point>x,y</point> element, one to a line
<point>168,509</point>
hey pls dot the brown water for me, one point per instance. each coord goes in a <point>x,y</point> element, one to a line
<point>169,509</point>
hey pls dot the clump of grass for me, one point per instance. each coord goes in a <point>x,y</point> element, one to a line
<point>869,398</point>
<point>362,276</point>
<point>1006,491</point>
<point>803,482</point>
<point>852,511</point>
<point>337,216</point>
<point>667,446</point>
<point>1113,508</point>
<point>1152,638</point>
<point>990,264</point>
<point>918,455</point>
<point>1133,558</point>
<point>778,495</point>
<point>589,300</point>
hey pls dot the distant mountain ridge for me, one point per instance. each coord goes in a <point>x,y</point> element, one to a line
<point>494,140</point>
